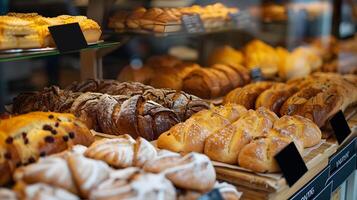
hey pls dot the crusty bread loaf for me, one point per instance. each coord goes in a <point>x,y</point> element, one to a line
<point>232,112</point>
<point>25,138</point>
<point>259,154</point>
<point>274,97</point>
<point>233,76</point>
<point>247,95</point>
<point>201,82</point>
<point>189,136</point>
<point>225,144</point>
<point>301,128</point>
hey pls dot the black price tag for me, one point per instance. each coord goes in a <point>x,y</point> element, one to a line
<point>291,164</point>
<point>213,195</point>
<point>193,23</point>
<point>68,37</point>
<point>340,127</point>
<point>256,74</point>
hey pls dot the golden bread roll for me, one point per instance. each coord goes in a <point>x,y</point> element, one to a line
<point>226,55</point>
<point>261,55</point>
<point>167,78</point>
<point>300,127</point>
<point>234,77</point>
<point>243,72</point>
<point>247,95</point>
<point>25,138</point>
<point>225,144</point>
<point>202,83</point>
<point>232,112</point>
<point>224,83</point>
<point>129,73</point>
<point>259,155</point>
<point>133,20</point>
<point>274,97</point>
<point>189,136</point>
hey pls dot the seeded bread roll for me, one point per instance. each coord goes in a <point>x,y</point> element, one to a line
<point>25,138</point>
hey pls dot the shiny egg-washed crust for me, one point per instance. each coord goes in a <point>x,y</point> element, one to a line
<point>225,144</point>
<point>25,138</point>
<point>274,97</point>
<point>300,127</point>
<point>247,95</point>
<point>259,154</point>
<point>190,135</point>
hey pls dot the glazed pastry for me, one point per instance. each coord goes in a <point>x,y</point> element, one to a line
<point>259,155</point>
<point>232,112</point>
<point>247,95</point>
<point>274,97</point>
<point>122,152</point>
<point>40,191</point>
<point>299,127</point>
<point>226,55</point>
<point>75,173</point>
<point>190,135</point>
<point>131,183</point>
<point>225,144</point>
<point>194,168</point>
<point>201,82</point>
<point>25,138</point>
<point>233,77</point>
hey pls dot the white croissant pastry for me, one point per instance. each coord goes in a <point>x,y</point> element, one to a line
<point>122,151</point>
<point>41,191</point>
<point>134,184</point>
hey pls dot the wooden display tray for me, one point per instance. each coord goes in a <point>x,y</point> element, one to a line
<point>255,186</point>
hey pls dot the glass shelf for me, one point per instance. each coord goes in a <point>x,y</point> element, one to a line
<point>19,54</point>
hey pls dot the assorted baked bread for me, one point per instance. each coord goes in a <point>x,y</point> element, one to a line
<point>169,19</point>
<point>115,108</point>
<point>25,138</point>
<point>317,97</point>
<point>273,62</point>
<point>234,135</point>
<point>30,30</point>
<point>94,173</point>
<point>170,72</point>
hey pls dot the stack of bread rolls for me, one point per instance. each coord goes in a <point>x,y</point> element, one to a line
<point>170,72</point>
<point>169,19</point>
<point>118,168</point>
<point>234,135</point>
<point>30,30</point>
<point>317,97</point>
<point>273,62</point>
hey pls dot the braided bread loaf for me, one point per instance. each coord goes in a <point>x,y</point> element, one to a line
<point>24,138</point>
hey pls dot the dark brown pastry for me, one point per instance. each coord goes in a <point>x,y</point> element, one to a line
<point>203,83</point>
<point>247,95</point>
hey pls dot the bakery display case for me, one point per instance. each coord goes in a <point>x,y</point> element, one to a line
<point>185,100</point>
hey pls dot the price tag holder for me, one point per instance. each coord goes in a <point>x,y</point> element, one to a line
<point>68,37</point>
<point>291,164</point>
<point>340,127</point>
<point>256,74</point>
<point>240,19</point>
<point>336,161</point>
<point>193,23</point>
<point>213,195</point>
<point>314,187</point>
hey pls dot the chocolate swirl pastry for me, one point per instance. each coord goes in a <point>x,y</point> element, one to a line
<point>115,108</point>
